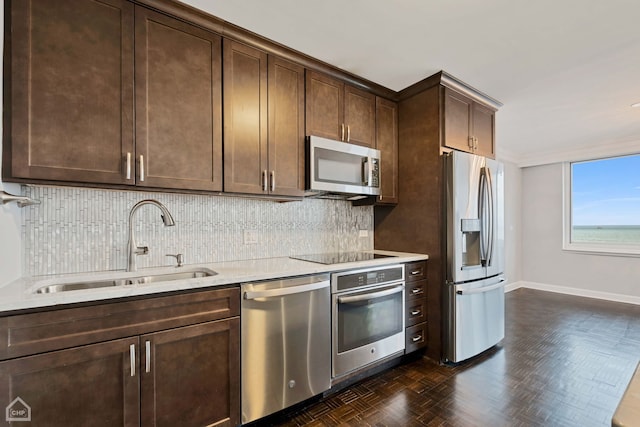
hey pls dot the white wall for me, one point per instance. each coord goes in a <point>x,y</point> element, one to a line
<point>543,260</point>
<point>513,221</point>
<point>10,220</point>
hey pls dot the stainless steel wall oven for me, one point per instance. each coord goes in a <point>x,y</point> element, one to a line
<point>367,316</point>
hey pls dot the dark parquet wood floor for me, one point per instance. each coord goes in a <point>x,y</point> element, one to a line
<point>565,361</point>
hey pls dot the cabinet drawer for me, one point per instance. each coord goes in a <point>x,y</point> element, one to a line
<point>26,334</point>
<point>415,311</point>
<point>414,290</point>
<point>415,271</point>
<point>415,337</point>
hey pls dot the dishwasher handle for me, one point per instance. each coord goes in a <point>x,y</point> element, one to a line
<point>249,293</point>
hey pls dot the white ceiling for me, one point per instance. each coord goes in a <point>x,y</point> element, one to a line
<point>566,71</point>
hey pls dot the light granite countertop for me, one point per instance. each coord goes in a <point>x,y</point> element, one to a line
<point>19,294</point>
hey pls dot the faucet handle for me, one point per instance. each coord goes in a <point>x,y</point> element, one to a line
<point>179,259</point>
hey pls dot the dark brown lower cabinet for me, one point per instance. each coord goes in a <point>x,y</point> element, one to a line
<point>168,361</point>
<point>190,375</point>
<point>90,385</point>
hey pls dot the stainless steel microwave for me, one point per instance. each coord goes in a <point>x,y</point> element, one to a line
<point>343,168</point>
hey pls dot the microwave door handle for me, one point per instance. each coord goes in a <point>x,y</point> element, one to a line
<point>366,171</point>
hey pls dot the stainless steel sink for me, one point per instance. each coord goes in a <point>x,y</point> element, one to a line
<point>183,274</point>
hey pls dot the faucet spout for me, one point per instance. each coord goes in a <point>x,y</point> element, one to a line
<point>132,248</point>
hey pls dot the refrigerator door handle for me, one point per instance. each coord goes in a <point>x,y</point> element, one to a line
<point>483,289</point>
<point>489,184</point>
<point>482,211</point>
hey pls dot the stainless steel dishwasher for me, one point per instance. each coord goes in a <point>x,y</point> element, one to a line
<point>285,343</point>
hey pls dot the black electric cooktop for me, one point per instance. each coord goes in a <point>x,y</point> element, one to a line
<point>339,257</point>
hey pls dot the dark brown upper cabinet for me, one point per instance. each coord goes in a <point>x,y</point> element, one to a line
<point>339,111</point>
<point>71,91</point>
<point>72,97</point>
<point>178,104</point>
<point>468,125</point>
<point>263,123</point>
<point>387,143</point>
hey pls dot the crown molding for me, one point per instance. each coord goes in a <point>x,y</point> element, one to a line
<point>609,149</point>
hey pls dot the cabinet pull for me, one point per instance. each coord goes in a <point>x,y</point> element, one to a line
<point>141,168</point>
<point>272,178</point>
<point>129,165</point>
<point>475,143</point>
<point>416,291</point>
<point>348,133</point>
<point>415,312</point>
<point>264,180</point>
<point>132,356</point>
<point>414,272</point>
<point>416,338</point>
<point>147,353</point>
<point>342,132</point>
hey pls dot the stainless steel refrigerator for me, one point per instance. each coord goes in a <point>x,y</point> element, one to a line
<point>474,288</point>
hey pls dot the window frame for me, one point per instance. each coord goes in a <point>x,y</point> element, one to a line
<point>612,249</point>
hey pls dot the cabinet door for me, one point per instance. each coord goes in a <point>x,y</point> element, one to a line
<point>178,104</point>
<point>191,376</point>
<point>325,107</point>
<point>245,119</point>
<point>93,385</point>
<point>360,116</point>
<point>387,143</point>
<point>457,121</point>
<point>483,130</point>
<point>71,90</point>
<point>286,127</point>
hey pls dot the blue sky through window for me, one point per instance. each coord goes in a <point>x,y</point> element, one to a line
<point>606,192</point>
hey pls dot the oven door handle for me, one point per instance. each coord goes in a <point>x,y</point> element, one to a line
<point>279,292</point>
<point>364,297</point>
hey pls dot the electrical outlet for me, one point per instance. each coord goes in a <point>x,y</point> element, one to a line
<point>363,233</point>
<point>250,237</point>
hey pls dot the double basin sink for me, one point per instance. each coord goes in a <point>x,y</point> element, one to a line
<point>134,279</point>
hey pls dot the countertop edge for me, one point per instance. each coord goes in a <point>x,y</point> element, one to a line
<point>18,295</point>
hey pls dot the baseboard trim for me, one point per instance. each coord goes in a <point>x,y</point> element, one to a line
<point>608,296</point>
<point>514,285</point>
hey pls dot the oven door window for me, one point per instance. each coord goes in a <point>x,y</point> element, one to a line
<point>364,318</point>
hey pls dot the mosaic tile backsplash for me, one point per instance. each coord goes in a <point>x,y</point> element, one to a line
<point>77,230</point>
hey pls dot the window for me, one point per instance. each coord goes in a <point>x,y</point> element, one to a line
<point>602,205</point>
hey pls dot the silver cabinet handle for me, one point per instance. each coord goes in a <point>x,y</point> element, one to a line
<point>416,338</point>
<point>147,352</point>
<point>132,356</point>
<point>475,143</point>
<point>348,133</point>
<point>141,168</point>
<point>129,165</point>
<point>251,294</point>
<point>264,180</point>
<point>364,297</point>
<point>342,132</point>
<point>415,312</point>
<point>416,291</point>
<point>470,143</point>
<point>272,177</point>
<point>414,272</point>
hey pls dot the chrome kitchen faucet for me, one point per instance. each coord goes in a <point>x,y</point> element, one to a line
<point>132,248</point>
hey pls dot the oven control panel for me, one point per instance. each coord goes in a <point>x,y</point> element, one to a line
<point>354,279</point>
